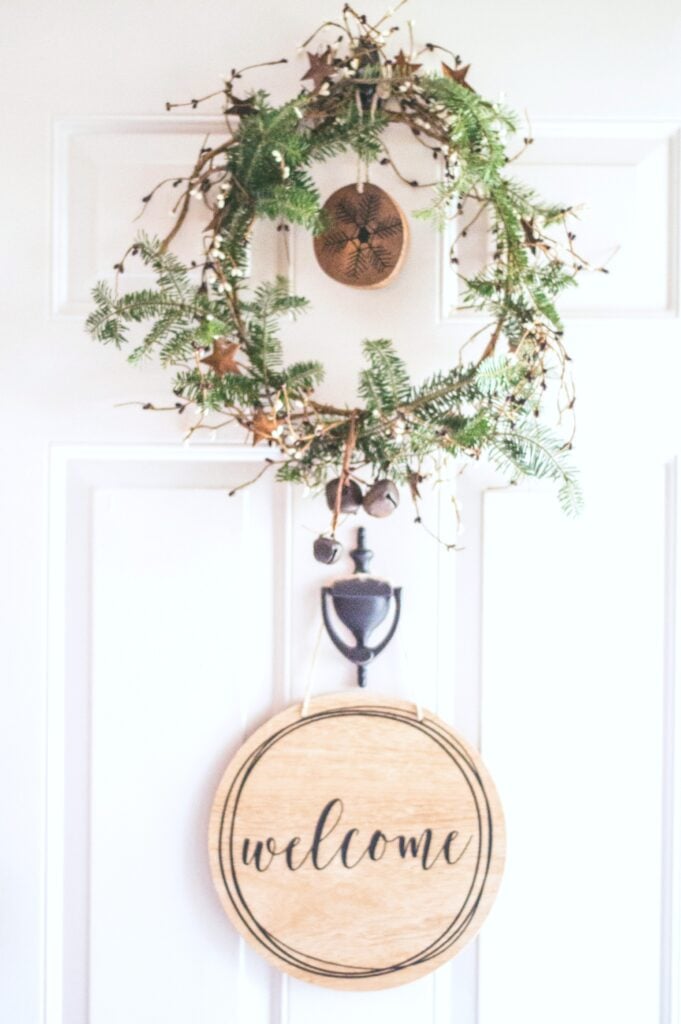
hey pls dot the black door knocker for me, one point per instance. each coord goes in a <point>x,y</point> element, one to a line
<point>361,602</point>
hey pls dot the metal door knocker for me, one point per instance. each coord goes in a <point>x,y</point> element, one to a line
<point>361,602</point>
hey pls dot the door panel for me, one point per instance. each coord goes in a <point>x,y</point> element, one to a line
<point>149,622</point>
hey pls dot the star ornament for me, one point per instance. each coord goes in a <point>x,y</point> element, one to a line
<point>403,66</point>
<point>264,426</point>
<point>458,75</point>
<point>241,108</point>
<point>222,359</point>
<point>320,69</point>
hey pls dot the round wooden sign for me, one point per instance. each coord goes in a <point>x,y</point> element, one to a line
<point>356,846</point>
<point>366,240</point>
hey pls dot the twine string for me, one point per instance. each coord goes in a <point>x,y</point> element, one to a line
<point>407,678</point>
<point>304,707</point>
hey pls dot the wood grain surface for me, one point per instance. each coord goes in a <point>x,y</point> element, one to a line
<point>366,240</point>
<point>356,847</point>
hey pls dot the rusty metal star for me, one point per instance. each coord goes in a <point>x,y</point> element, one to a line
<point>404,67</point>
<point>320,69</point>
<point>263,426</point>
<point>458,75</point>
<point>222,359</point>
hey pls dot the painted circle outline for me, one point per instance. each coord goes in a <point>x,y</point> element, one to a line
<point>462,761</point>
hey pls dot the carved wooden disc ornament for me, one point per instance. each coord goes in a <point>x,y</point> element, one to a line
<point>357,846</point>
<point>366,240</point>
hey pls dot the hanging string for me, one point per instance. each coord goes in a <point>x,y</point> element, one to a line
<point>360,183</point>
<point>363,165</point>
<point>345,471</point>
<point>284,230</point>
<point>409,678</point>
<point>362,174</point>
<point>360,111</point>
<point>310,673</point>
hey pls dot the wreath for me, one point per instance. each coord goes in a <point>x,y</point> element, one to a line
<point>221,336</point>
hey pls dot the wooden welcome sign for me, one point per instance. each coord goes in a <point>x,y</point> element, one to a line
<point>356,846</point>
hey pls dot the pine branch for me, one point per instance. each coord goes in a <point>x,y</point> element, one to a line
<point>533,450</point>
<point>384,384</point>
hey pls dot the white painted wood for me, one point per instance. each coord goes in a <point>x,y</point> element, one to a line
<point>107,163</point>
<point>129,685</point>
<point>670,960</point>
<point>94,496</point>
<point>102,164</point>
<point>147,792</point>
<point>612,166</point>
<point>601,826</point>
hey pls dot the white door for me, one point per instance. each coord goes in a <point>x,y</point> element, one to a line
<point>149,622</point>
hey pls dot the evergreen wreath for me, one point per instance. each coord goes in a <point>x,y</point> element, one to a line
<point>221,337</point>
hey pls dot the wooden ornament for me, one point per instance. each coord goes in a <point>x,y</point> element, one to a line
<point>366,241</point>
<point>356,846</point>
